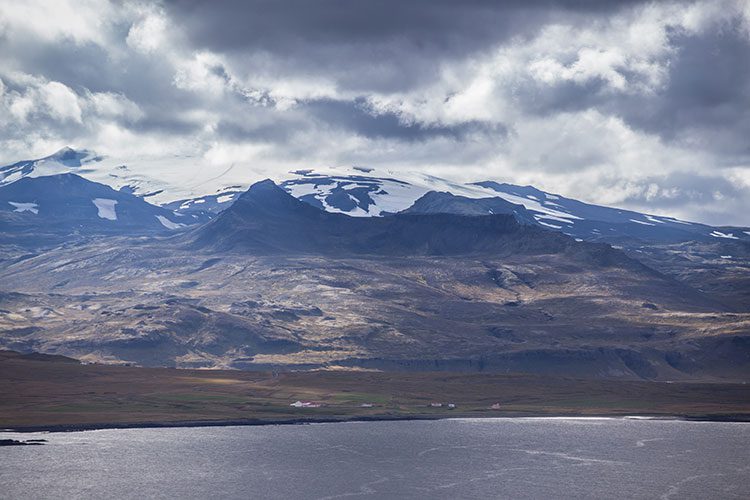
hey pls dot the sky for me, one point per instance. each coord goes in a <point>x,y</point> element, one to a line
<point>642,105</point>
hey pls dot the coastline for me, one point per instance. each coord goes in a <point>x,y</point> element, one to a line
<point>725,418</point>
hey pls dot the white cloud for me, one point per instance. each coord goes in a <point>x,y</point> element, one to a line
<point>113,105</point>
<point>607,65</point>
<point>82,21</point>
<point>148,33</point>
<point>52,100</point>
<point>20,106</point>
<point>61,101</point>
<point>204,72</point>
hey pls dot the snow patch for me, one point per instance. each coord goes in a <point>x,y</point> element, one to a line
<point>677,221</point>
<point>725,256</point>
<point>225,198</point>
<point>300,190</point>
<point>719,234</point>
<point>553,217</point>
<point>168,223</point>
<point>397,191</point>
<point>549,225</point>
<point>653,219</point>
<point>642,222</point>
<point>387,194</point>
<point>106,208</point>
<point>25,207</point>
<point>535,206</point>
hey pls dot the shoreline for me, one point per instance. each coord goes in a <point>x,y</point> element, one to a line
<point>718,418</point>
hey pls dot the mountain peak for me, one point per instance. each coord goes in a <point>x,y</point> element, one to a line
<point>266,196</point>
<point>265,190</point>
<point>266,185</point>
<point>69,157</point>
<point>63,150</point>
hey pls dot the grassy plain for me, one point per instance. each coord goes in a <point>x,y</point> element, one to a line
<point>59,393</point>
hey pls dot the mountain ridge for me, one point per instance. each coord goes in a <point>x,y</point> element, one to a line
<point>359,191</point>
<point>266,218</point>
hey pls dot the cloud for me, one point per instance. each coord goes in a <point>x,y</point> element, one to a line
<point>82,21</point>
<point>37,98</point>
<point>638,104</point>
<point>113,105</point>
<point>689,192</point>
<point>147,34</point>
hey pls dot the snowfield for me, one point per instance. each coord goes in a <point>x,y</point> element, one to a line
<point>719,234</point>
<point>168,223</point>
<point>25,207</point>
<point>106,208</point>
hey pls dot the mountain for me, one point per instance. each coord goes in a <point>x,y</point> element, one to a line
<point>203,208</point>
<point>268,220</point>
<point>273,282</point>
<point>365,192</point>
<point>435,202</point>
<point>599,223</point>
<point>715,259</point>
<point>38,210</point>
<point>161,180</point>
<point>428,274</point>
<point>65,160</point>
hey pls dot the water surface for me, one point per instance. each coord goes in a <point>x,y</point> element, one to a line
<point>465,458</point>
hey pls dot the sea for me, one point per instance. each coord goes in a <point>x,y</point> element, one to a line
<point>517,458</point>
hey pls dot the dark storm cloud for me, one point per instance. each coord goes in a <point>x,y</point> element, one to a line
<point>708,92</point>
<point>77,66</point>
<point>381,46</point>
<point>395,46</point>
<point>703,103</point>
<point>543,100</point>
<point>269,24</point>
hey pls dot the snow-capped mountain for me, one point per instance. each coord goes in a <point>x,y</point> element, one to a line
<point>186,187</point>
<point>45,209</point>
<point>159,180</point>
<point>365,192</point>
